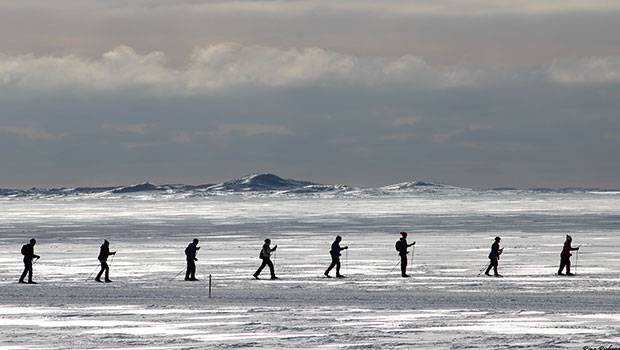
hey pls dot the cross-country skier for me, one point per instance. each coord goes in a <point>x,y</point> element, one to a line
<point>190,254</point>
<point>401,247</point>
<point>28,253</point>
<point>565,256</point>
<point>496,251</point>
<point>335,253</point>
<point>265,255</point>
<point>104,252</point>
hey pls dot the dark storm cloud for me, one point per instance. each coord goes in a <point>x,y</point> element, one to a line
<point>359,93</point>
<point>446,32</point>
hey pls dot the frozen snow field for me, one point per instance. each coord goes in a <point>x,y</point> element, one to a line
<point>446,304</point>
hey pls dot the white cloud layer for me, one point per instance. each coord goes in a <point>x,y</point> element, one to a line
<point>229,65</point>
<point>31,132</point>
<point>220,66</point>
<point>591,70</point>
<point>252,129</point>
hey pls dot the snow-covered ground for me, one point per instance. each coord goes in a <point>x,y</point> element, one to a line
<point>445,305</point>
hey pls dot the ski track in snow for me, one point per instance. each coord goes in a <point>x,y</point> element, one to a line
<point>445,305</point>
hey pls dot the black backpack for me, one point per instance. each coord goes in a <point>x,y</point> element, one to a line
<point>24,249</point>
<point>399,246</point>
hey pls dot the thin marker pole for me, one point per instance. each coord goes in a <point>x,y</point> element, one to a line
<point>209,286</point>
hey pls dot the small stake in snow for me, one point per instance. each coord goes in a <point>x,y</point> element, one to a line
<point>209,286</point>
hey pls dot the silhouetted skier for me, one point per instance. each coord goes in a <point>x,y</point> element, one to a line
<point>335,253</point>
<point>401,247</point>
<point>496,251</point>
<point>565,256</point>
<point>265,254</point>
<point>104,252</point>
<point>28,253</point>
<point>190,253</point>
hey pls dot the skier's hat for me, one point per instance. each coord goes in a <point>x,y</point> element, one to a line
<point>32,240</point>
<point>267,240</point>
<point>498,238</point>
<point>195,241</point>
<point>404,234</point>
<point>569,238</point>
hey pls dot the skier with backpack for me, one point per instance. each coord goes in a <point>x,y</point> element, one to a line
<point>401,247</point>
<point>265,255</point>
<point>28,253</point>
<point>335,253</point>
<point>104,252</point>
<point>496,251</point>
<point>190,254</point>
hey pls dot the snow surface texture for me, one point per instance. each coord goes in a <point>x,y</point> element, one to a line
<point>446,304</point>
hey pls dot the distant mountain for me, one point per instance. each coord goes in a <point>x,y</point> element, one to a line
<point>260,182</point>
<point>421,187</point>
<point>143,187</point>
<point>268,185</point>
<point>412,185</point>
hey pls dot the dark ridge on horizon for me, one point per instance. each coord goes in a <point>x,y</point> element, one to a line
<point>268,182</point>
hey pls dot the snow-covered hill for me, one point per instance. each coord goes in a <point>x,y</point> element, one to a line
<point>265,185</point>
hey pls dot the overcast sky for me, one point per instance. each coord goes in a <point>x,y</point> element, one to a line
<point>483,93</point>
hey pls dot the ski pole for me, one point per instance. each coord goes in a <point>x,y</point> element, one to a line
<point>91,274</point>
<point>175,276</point>
<point>482,269</point>
<point>398,262</point>
<point>35,261</point>
<point>346,260</point>
<point>577,261</point>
